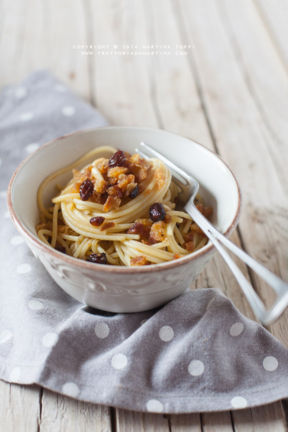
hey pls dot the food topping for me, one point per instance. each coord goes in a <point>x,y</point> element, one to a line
<point>112,202</point>
<point>158,232</point>
<point>98,258</point>
<point>115,191</point>
<point>206,211</point>
<point>134,192</point>
<point>97,220</point>
<point>194,227</point>
<point>195,230</point>
<point>139,167</point>
<point>118,159</point>
<point>107,225</point>
<point>100,185</point>
<point>189,246</point>
<point>154,219</point>
<point>112,182</point>
<point>138,261</point>
<point>114,173</point>
<point>157,212</point>
<point>102,165</point>
<point>141,227</point>
<point>86,189</point>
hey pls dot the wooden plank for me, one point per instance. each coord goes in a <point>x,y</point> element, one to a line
<point>121,87</point>
<point>19,408</point>
<point>37,35</point>
<point>236,119</point>
<point>214,422</point>
<point>260,419</point>
<point>60,413</point>
<point>239,129</point>
<point>32,37</point>
<point>258,61</point>
<point>130,421</point>
<point>275,18</point>
<point>186,423</point>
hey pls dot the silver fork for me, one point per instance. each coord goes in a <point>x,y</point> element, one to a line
<point>190,187</point>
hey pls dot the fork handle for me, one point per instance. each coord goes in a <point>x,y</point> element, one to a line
<point>281,287</point>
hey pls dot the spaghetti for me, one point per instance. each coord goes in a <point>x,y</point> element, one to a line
<point>120,210</point>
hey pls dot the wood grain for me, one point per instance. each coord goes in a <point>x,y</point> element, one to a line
<point>186,423</point>
<point>41,35</point>
<point>275,18</point>
<point>60,413</point>
<point>128,421</point>
<point>19,407</point>
<point>260,419</point>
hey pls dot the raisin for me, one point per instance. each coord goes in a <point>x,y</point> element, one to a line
<point>157,212</point>
<point>118,159</point>
<point>141,229</point>
<point>98,258</point>
<point>97,221</point>
<point>103,198</point>
<point>134,192</point>
<point>107,225</point>
<point>86,189</point>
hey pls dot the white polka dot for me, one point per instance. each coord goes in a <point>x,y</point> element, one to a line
<point>119,361</point>
<point>196,368</point>
<point>154,405</point>
<point>238,402</point>
<point>23,268</point>
<point>3,194</point>
<point>35,305</point>
<point>20,92</point>
<point>270,363</point>
<point>30,148</point>
<point>49,339</point>
<point>60,88</point>
<point>16,240</point>
<point>102,330</point>
<point>166,333</point>
<point>70,389</point>
<point>236,329</point>
<point>7,214</point>
<point>15,374</point>
<point>5,336</point>
<point>24,117</point>
<point>68,111</point>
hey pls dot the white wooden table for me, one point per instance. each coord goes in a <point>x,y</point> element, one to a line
<point>229,92</point>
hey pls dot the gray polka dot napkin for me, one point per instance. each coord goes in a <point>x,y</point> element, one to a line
<point>197,353</point>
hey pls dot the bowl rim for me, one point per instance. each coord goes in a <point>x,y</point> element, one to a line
<point>86,265</point>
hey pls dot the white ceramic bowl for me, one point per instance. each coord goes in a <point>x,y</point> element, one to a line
<point>116,288</point>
